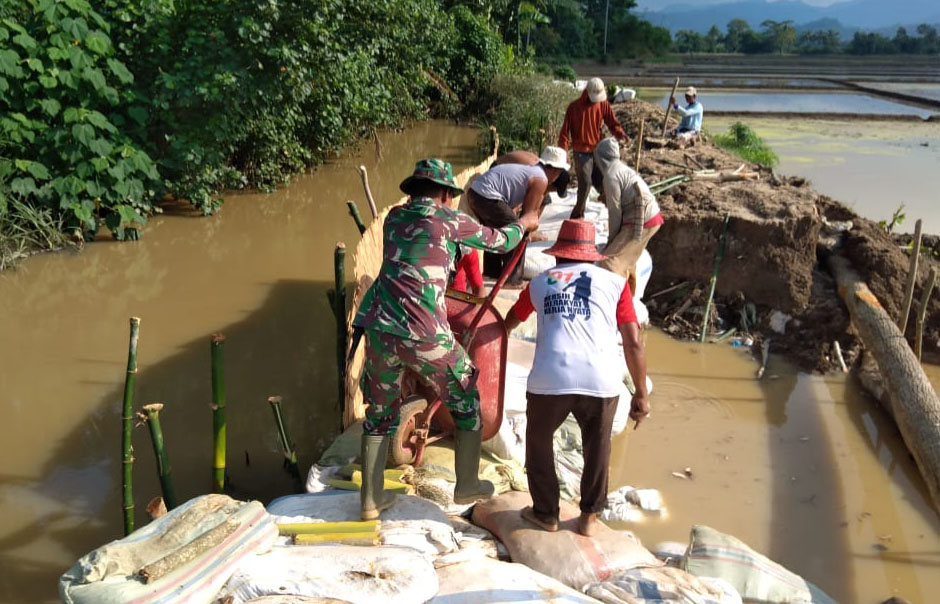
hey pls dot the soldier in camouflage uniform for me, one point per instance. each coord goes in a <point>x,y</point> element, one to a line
<point>405,321</point>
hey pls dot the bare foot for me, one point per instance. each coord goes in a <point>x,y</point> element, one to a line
<point>587,524</point>
<point>529,514</point>
<point>537,236</point>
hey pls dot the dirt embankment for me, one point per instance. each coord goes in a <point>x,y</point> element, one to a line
<point>771,264</point>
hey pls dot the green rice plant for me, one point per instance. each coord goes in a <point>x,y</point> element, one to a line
<point>743,141</point>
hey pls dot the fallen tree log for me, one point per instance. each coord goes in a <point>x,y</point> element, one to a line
<point>913,401</point>
<point>735,176</point>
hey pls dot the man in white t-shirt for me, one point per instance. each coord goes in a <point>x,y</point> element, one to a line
<point>584,312</point>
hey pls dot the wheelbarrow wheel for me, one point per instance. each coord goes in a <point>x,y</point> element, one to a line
<point>403,447</point>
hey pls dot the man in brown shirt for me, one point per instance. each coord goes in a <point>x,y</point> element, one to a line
<point>582,131</point>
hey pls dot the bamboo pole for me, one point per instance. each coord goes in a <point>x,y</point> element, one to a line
<point>639,148</point>
<point>354,212</point>
<point>922,312</point>
<point>189,552</point>
<point>911,279</point>
<point>151,416</point>
<point>338,302</point>
<point>364,175</point>
<point>672,95</point>
<point>714,280</point>
<point>127,418</point>
<point>287,446</point>
<point>914,403</point>
<point>837,350</point>
<point>320,528</point>
<point>342,538</point>
<point>219,428</point>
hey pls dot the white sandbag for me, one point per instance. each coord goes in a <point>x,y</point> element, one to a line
<point>629,504</point>
<point>488,581</point>
<point>664,585</point>
<point>565,555</point>
<point>411,522</point>
<point>295,600</point>
<point>623,95</point>
<point>509,441</point>
<point>360,575</point>
<point>756,577</point>
<point>109,573</point>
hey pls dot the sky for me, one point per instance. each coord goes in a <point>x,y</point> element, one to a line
<point>659,4</point>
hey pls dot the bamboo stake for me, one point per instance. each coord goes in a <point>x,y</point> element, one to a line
<point>922,311</point>
<point>911,279</point>
<point>189,552</point>
<point>364,175</point>
<point>127,418</point>
<point>151,416</point>
<point>354,212</point>
<point>219,428</point>
<point>287,446</point>
<point>337,297</point>
<point>714,280</point>
<point>639,148</point>
<point>343,538</point>
<point>320,528</point>
<point>667,290</point>
<point>669,108</point>
<point>837,350</point>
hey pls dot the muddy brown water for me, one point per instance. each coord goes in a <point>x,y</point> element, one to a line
<point>803,468</point>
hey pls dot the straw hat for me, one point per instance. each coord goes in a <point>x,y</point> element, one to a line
<point>576,242</point>
<point>435,170</point>
<point>596,90</point>
<point>555,157</point>
<point>690,91</point>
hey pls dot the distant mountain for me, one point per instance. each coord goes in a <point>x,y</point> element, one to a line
<point>852,15</point>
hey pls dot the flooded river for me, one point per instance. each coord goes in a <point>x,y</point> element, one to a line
<point>804,468</point>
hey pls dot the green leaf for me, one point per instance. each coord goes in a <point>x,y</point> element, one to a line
<point>38,170</point>
<point>101,147</point>
<point>72,114</point>
<point>138,113</point>
<point>4,85</point>
<point>25,40</point>
<point>98,43</point>
<point>23,186</point>
<point>99,120</point>
<point>48,81</point>
<point>128,214</point>
<point>50,106</point>
<point>119,70</point>
<point>93,188</point>
<point>84,133</point>
<point>57,54</point>
<point>95,77</point>
<point>83,169</point>
<point>118,171</point>
<point>79,58</point>
<point>9,63</point>
<point>100,164</point>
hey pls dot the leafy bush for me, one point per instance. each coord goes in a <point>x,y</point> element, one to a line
<point>742,140</point>
<point>64,96</point>
<point>566,73</point>
<point>527,111</point>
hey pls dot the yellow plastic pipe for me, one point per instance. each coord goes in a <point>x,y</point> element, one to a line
<point>320,528</point>
<point>345,538</point>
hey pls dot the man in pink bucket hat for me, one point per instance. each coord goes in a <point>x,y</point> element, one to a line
<point>584,312</point>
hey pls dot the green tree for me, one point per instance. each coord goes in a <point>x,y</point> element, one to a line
<point>781,34</point>
<point>819,42</point>
<point>689,41</point>
<point>712,40</point>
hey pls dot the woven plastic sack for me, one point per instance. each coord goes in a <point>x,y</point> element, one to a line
<point>359,575</point>
<point>565,555</point>
<point>488,581</point>
<point>666,585</point>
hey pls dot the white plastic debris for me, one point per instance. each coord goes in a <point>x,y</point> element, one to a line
<point>778,321</point>
<point>629,504</point>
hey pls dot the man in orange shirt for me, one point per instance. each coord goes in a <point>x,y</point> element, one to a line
<point>582,130</point>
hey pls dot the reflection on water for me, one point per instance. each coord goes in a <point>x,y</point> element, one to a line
<point>781,101</point>
<point>258,271</point>
<point>872,167</point>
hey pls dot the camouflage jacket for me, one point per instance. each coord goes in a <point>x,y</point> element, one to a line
<point>420,243</point>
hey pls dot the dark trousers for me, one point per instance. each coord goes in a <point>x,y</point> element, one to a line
<point>495,213</point>
<point>544,414</point>
<point>588,175</point>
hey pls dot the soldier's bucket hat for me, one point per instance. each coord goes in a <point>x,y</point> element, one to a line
<point>433,169</point>
<point>576,242</point>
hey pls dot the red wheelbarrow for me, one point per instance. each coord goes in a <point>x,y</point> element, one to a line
<point>479,328</point>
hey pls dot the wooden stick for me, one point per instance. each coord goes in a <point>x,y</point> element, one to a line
<point>287,446</point>
<point>364,175</point>
<point>639,147</point>
<point>354,212</point>
<point>338,301</point>
<point>837,350</point>
<point>189,552</point>
<point>914,402</point>
<point>127,418</point>
<point>922,311</point>
<point>669,108</point>
<point>714,280</point>
<point>911,279</point>
<point>764,355</point>
<point>219,426</point>
<point>700,165</point>
<point>667,290</point>
<point>151,416</point>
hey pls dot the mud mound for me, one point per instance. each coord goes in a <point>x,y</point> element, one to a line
<point>770,263</point>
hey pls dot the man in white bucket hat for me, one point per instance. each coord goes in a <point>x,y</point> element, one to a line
<point>581,131</point>
<point>692,113</point>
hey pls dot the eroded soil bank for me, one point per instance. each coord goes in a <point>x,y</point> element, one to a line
<point>770,259</point>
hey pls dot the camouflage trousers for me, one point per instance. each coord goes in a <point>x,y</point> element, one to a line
<point>442,365</point>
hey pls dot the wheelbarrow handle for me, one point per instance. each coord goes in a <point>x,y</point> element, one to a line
<point>517,256</point>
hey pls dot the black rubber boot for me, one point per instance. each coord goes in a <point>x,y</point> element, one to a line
<point>467,466</point>
<point>372,494</point>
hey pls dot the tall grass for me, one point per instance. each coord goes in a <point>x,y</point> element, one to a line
<point>25,230</point>
<point>742,140</point>
<point>527,111</point>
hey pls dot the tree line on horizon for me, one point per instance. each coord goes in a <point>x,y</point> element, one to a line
<point>782,37</point>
